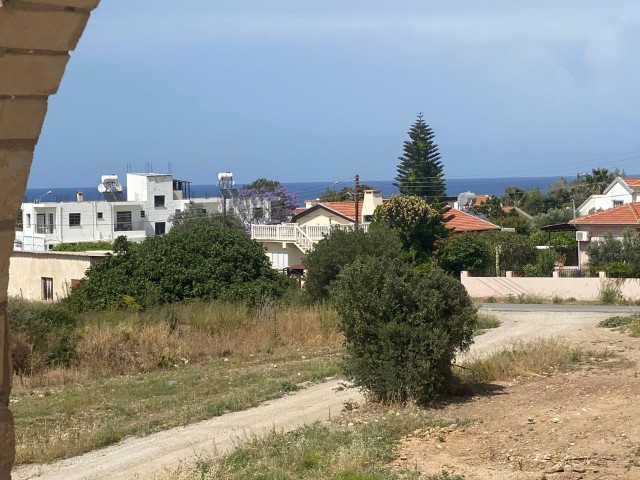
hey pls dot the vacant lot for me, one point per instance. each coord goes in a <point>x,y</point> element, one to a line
<point>564,425</point>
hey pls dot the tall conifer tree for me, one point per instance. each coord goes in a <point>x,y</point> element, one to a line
<point>420,169</point>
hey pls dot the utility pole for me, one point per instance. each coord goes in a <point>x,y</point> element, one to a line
<point>356,194</point>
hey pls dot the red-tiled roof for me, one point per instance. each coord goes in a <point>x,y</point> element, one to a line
<point>463,222</point>
<point>632,182</point>
<point>348,209</point>
<point>480,199</point>
<point>298,210</point>
<point>627,214</point>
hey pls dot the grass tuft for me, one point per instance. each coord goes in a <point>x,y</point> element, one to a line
<point>523,359</point>
<point>486,321</point>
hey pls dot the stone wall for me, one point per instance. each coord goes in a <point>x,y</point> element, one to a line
<point>35,39</point>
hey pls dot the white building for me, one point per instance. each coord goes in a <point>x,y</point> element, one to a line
<point>619,192</point>
<point>151,200</point>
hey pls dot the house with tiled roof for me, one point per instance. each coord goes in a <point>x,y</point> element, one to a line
<point>461,222</point>
<point>592,228</point>
<point>619,192</point>
<point>286,244</point>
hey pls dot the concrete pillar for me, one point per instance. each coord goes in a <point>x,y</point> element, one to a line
<point>35,39</point>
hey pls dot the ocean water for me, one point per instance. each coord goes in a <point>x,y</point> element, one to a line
<point>312,190</point>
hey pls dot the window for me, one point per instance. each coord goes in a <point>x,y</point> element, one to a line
<point>158,201</point>
<point>160,228</point>
<point>617,203</point>
<point>28,219</point>
<point>100,216</point>
<point>143,214</point>
<point>47,288</point>
<point>74,219</point>
<point>19,222</point>
<point>123,222</point>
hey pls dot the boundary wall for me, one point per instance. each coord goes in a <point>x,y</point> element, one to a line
<point>586,289</point>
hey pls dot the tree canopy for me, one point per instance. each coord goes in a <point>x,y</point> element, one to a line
<point>420,224</point>
<point>264,201</point>
<point>420,169</point>
<point>203,262</point>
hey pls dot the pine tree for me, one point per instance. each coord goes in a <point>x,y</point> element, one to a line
<point>420,169</point>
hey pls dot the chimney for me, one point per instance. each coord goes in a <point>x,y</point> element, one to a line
<point>79,196</point>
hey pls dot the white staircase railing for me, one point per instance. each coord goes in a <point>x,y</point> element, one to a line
<point>304,237</point>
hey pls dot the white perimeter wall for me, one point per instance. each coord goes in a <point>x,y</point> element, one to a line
<point>578,288</point>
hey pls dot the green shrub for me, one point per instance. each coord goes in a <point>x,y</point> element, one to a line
<point>49,330</point>
<point>333,253</point>
<point>402,329</point>
<point>620,270</point>
<point>207,262</point>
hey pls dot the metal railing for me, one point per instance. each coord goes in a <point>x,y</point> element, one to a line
<point>46,229</point>
<point>128,226</point>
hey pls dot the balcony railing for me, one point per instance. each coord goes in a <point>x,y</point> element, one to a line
<point>128,226</point>
<point>289,232</point>
<point>46,229</point>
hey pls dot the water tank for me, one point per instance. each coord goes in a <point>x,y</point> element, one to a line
<point>113,178</point>
<point>225,177</point>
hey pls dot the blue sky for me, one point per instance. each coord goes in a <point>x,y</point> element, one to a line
<point>315,91</point>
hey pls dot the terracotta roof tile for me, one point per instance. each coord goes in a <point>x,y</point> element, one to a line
<point>632,182</point>
<point>627,214</point>
<point>348,209</point>
<point>463,222</point>
<point>480,199</point>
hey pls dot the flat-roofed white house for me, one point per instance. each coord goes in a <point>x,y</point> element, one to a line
<point>619,192</point>
<point>151,200</point>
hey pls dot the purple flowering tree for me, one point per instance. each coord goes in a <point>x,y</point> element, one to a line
<point>264,201</point>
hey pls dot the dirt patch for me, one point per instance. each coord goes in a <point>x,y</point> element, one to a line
<point>578,425</point>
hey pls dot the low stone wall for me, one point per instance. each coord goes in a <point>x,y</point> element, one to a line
<point>579,288</point>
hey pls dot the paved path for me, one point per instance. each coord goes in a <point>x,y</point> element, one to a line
<point>535,307</point>
<point>141,457</point>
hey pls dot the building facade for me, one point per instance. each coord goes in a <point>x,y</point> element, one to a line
<point>151,201</point>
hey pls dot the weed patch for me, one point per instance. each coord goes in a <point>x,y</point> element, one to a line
<point>325,451</point>
<point>523,359</point>
<point>486,321</point>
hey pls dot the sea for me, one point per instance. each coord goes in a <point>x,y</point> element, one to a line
<point>312,190</point>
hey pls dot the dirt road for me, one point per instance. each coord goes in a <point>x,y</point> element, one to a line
<point>136,457</point>
<point>144,456</point>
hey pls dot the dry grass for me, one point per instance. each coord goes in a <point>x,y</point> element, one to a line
<point>531,358</point>
<point>116,343</point>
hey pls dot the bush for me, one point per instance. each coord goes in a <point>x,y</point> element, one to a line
<point>544,265</point>
<point>402,329</point>
<point>466,251</point>
<point>47,330</point>
<point>341,248</point>
<point>206,262</point>
<point>620,270</point>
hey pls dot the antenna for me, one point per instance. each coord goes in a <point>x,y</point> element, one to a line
<point>128,168</point>
<point>169,167</point>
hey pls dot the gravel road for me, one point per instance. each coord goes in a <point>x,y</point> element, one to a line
<point>141,457</point>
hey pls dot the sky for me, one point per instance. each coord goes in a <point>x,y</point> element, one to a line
<point>321,91</point>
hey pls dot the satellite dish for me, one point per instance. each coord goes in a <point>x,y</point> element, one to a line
<point>466,200</point>
<point>102,188</point>
<point>118,186</point>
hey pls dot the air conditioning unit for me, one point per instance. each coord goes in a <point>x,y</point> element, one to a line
<point>582,236</point>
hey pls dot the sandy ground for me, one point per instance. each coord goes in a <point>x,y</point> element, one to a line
<point>513,434</point>
<point>578,425</point>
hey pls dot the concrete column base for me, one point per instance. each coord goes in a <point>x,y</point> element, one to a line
<point>7,442</point>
